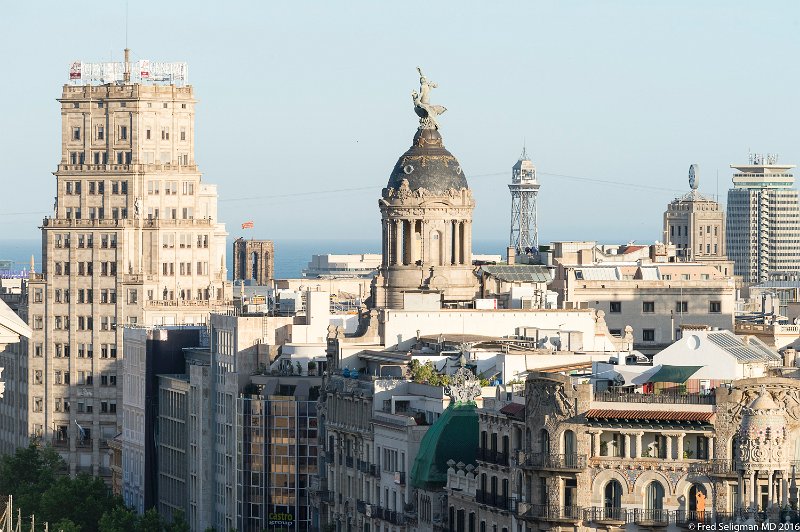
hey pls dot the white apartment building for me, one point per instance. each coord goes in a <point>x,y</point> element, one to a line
<point>133,239</point>
<point>763,220</point>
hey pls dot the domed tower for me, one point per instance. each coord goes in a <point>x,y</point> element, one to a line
<point>426,214</point>
<point>762,445</point>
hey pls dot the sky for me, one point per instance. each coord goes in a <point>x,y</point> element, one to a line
<point>304,107</point>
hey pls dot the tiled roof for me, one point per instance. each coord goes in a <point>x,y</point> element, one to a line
<point>513,409</point>
<point>654,415</point>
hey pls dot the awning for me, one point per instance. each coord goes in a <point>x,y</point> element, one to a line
<point>676,374</point>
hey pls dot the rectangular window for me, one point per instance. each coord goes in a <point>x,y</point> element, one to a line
<point>165,132</point>
<point>183,133</point>
<point>715,307</point>
<point>648,335</point>
<point>101,133</point>
<point>123,132</point>
<point>76,133</point>
<point>681,307</point>
<point>147,133</point>
<point>648,307</point>
<point>615,307</point>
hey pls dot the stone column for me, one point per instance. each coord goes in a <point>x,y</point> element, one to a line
<point>668,453</point>
<point>468,242</point>
<point>627,453</point>
<point>753,490</point>
<point>639,444</point>
<point>784,489</point>
<point>680,446</point>
<point>397,259</point>
<point>456,241</point>
<point>770,488</point>
<point>711,447</point>
<point>596,442</point>
<point>459,240</point>
<point>740,491</point>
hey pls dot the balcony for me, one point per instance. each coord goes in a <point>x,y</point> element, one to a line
<point>492,456</point>
<point>556,462</point>
<point>661,398</point>
<point>714,467</point>
<point>361,507</point>
<point>546,512</point>
<point>494,500</point>
<point>391,516</point>
<point>606,516</point>
<point>652,518</point>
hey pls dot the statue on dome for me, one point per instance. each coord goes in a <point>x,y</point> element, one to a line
<point>425,110</point>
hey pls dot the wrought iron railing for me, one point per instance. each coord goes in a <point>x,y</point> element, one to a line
<point>660,398</point>
<point>565,462</point>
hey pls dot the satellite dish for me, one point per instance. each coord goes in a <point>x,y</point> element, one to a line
<point>541,343</point>
<point>694,177</point>
<point>556,342</point>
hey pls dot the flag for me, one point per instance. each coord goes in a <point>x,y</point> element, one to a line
<point>247,225</point>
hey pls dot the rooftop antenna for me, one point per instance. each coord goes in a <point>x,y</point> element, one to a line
<point>127,75</point>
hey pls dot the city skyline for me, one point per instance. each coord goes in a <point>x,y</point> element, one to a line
<point>674,98</point>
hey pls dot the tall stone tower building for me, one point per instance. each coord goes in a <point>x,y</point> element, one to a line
<point>695,224</point>
<point>763,220</point>
<point>133,240</point>
<point>426,216</point>
<point>524,190</point>
<point>253,260</point>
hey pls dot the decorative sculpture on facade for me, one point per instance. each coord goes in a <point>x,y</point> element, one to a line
<point>426,111</point>
<point>464,387</point>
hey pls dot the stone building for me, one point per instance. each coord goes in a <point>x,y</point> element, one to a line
<point>14,365</point>
<point>426,218</point>
<point>253,260</point>
<point>763,220</point>
<point>133,240</point>
<point>565,456</point>
<point>695,224</point>
<point>656,299</point>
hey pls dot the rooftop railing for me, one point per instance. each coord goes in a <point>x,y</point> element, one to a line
<point>660,398</point>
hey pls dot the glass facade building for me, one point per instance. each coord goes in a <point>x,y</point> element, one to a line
<point>277,459</point>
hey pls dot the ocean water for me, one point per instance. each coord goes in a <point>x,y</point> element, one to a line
<point>291,256</point>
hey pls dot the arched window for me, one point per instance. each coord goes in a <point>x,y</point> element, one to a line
<point>654,496</point>
<point>697,498</point>
<point>612,497</point>
<point>570,448</point>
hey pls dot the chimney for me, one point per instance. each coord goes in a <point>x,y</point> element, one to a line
<point>512,255</point>
<point>127,75</point>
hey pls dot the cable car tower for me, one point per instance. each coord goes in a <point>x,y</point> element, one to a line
<point>524,188</point>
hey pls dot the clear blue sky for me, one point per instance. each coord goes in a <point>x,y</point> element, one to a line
<point>299,97</point>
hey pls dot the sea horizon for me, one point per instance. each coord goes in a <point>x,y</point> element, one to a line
<point>292,255</point>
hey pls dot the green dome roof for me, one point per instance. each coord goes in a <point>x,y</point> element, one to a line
<point>454,436</point>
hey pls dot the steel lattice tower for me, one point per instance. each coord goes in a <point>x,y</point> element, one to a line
<point>524,188</point>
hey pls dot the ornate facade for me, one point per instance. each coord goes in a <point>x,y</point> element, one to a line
<point>575,460</point>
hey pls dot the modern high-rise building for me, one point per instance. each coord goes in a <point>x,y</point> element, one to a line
<point>524,189</point>
<point>133,240</point>
<point>763,220</point>
<point>695,225</point>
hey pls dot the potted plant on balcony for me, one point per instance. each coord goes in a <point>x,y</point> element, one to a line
<point>312,368</point>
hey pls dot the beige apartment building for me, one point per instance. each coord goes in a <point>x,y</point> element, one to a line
<point>133,240</point>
